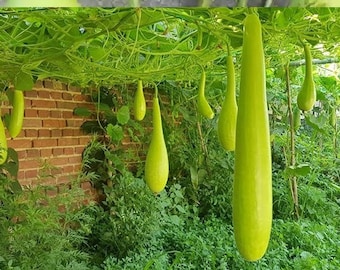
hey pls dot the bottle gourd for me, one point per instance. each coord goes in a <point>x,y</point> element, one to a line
<point>307,95</point>
<point>226,127</point>
<point>157,164</point>
<point>3,143</point>
<point>202,103</point>
<point>17,114</point>
<point>139,104</point>
<point>252,186</point>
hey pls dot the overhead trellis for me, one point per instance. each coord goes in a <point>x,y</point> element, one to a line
<point>108,46</point>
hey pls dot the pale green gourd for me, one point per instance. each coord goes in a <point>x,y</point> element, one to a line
<point>226,127</point>
<point>139,104</point>
<point>157,164</point>
<point>203,106</point>
<point>3,143</point>
<point>307,95</point>
<point>252,187</point>
<point>17,114</point>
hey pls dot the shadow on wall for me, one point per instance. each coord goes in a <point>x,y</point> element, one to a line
<point>174,3</point>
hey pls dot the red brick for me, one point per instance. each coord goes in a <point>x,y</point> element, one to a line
<point>55,114</point>
<point>67,114</point>
<point>44,133</point>
<point>59,85</point>
<point>86,185</point>
<point>33,173</point>
<point>30,153</point>
<point>73,88</point>
<point>57,151</point>
<point>31,133</point>
<point>29,164</point>
<point>19,143</point>
<point>44,113</point>
<point>69,151</point>
<point>28,103</point>
<point>38,84</point>
<point>46,152</point>
<point>62,179</point>
<point>31,113</point>
<point>56,133</point>
<point>79,97</point>
<point>44,142</point>
<point>56,95</point>
<point>74,159</point>
<point>21,154</point>
<point>74,122</point>
<point>84,140</point>
<point>21,175</point>
<point>79,149</point>
<point>30,122</point>
<point>48,84</point>
<point>67,96</point>
<point>43,94</point>
<point>57,161</point>
<point>43,103</point>
<point>65,104</point>
<point>31,94</point>
<point>56,123</point>
<point>68,169</point>
<point>67,141</point>
<point>67,132</point>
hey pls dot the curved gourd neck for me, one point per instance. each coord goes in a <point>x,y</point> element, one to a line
<point>308,59</point>
<point>231,79</point>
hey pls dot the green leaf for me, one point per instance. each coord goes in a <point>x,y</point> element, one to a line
<point>115,132</point>
<point>299,170</point>
<point>23,81</point>
<point>82,111</point>
<point>123,115</point>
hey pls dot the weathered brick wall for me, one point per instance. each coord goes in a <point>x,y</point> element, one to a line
<point>50,144</point>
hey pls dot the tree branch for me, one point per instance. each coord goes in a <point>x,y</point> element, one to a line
<point>315,61</point>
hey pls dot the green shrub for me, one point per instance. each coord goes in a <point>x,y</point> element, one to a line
<point>125,221</point>
<point>37,235</point>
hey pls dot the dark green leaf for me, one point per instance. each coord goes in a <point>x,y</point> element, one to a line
<point>123,115</point>
<point>115,132</point>
<point>82,111</point>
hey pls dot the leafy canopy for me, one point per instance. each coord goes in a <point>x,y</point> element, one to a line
<point>107,46</point>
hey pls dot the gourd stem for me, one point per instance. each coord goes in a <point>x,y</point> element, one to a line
<point>292,161</point>
<point>156,89</point>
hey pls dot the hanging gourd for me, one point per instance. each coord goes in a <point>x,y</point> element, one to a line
<point>307,95</point>
<point>139,104</point>
<point>226,127</point>
<point>17,114</point>
<point>252,186</point>
<point>157,164</point>
<point>3,143</point>
<point>202,103</point>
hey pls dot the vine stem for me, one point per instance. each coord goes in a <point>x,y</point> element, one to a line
<point>292,160</point>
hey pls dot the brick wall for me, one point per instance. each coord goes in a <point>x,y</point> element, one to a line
<point>50,144</point>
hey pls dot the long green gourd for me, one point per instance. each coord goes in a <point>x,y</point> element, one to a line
<point>226,127</point>
<point>157,164</point>
<point>252,187</point>
<point>139,102</point>
<point>3,143</point>
<point>202,103</point>
<point>307,95</point>
<point>17,114</point>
